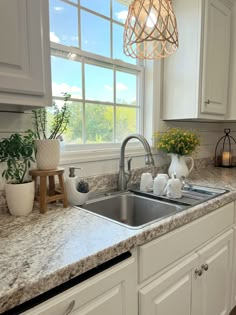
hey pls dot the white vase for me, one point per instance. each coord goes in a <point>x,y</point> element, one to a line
<point>20,198</point>
<point>47,153</point>
<point>178,165</point>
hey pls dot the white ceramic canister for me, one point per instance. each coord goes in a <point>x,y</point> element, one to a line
<point>146,183</point>
<point>159,184</point>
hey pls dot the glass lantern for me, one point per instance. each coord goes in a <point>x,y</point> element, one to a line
<point>224,151</point>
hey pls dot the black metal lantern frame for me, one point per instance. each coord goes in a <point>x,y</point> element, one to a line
<point>224,151</point>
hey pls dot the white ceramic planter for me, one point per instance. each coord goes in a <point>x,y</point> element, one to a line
<point>20,198</point>
<point>47,154</point>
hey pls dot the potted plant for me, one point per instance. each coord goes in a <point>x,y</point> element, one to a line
<point>17,152</point>
<point>48,143</point>
<point>179,144</point>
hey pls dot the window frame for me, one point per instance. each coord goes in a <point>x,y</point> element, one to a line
<point>59,50</point>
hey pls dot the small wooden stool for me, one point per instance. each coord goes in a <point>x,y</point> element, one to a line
<point>49,195</point>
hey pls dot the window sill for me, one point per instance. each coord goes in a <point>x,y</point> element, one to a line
<point>101,154</point>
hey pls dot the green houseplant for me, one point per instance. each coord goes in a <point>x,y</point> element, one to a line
<point>179,144</point>
<point>17,153</point>
<point>47,140</point>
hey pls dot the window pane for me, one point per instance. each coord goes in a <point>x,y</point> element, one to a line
<point>101,6</point>
<point>118,53</point>
<point>98,83</point>
<point>126,122</point>
<point>99,123</point>
<point>63,23</point>
<point>74,134</point>
<point>66,77</point>
<point>126,88</point>
<point>95,34</point>
<point>119,11</point>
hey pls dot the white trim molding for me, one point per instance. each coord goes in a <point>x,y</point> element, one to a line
<point>95,155</point>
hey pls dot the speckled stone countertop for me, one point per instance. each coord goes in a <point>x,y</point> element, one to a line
<point>39,252</point>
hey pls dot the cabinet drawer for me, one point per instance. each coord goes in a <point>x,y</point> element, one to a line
<point>109,292</point>
<point>158,254</point>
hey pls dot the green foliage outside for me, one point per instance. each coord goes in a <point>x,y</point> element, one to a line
<point>99,123</point>
<point>59,119</point>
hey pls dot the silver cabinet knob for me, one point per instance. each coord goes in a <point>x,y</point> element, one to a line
<point>208,102</point>
<point>198,272</point>
<point>205,267</point>
<point>70,308</point>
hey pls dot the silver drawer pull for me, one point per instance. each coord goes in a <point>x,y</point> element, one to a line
<point>205,267</point>
<point>198,272</point>
<point>70,308</point>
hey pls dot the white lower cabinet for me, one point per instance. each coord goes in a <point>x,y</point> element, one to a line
<point>233,304</point>
<point>199,285</point>
<point>215,288</point>
<point>110,292</point>
<point>171,293</point>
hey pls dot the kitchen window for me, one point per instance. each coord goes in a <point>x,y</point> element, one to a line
<point>88,62</point>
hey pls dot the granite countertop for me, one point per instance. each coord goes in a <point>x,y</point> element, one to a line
<point>39,252</point>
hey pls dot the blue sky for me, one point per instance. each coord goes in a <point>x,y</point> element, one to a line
<point>66,74</point>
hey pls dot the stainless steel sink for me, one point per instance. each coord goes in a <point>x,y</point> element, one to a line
<point>131,210</point>
<point>136,209</point>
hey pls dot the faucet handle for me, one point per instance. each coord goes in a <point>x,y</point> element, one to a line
<point>129,163</point>
<point>128,173</point>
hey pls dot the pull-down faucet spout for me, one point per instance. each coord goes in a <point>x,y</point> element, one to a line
<point>122,180</point>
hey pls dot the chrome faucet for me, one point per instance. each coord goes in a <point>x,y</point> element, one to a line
<point>123,176</point>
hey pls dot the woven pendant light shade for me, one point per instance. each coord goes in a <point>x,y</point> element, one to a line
<point>150,29</point>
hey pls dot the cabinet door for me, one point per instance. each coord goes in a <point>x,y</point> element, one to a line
<point>216,57</point>
<point>111,292</point>
<point>216,281</point>
<point>171,293</point>
<point>25,53</point>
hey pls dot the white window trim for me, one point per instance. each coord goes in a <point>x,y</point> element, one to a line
<point>101,154</point>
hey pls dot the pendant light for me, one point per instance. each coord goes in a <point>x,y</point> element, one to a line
<point>150,29</point>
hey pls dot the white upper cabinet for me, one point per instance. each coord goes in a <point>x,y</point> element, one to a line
<point>231,114</point>
<point>196,77</point>
<point>25,77</point>
<point>216,58</point>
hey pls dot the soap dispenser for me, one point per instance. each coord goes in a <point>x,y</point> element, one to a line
<point>75,197</point>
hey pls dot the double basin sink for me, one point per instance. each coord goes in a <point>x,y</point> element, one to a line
<point>136,209</point>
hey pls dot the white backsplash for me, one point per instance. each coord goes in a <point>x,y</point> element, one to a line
<point>209,135</point>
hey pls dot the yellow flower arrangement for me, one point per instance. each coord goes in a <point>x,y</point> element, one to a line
<point>178,141</point>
